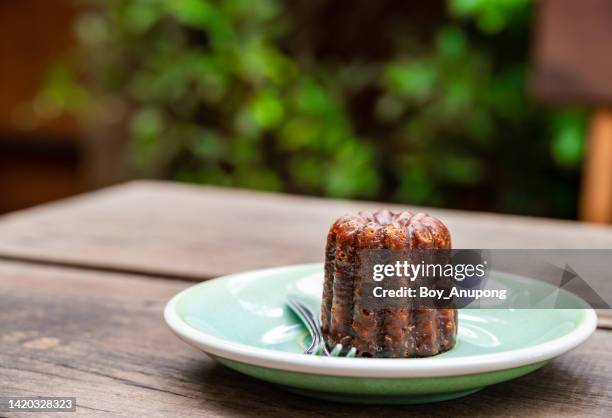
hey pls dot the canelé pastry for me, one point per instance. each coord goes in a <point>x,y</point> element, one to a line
<point>398,331</point>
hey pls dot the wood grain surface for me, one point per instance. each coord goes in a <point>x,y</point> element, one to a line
<point>194,233</point>
<point>101,337</point>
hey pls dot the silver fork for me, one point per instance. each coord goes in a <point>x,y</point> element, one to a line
<point>313,324</point>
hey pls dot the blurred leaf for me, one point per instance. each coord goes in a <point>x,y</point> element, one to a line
<point>460,169</point>
<point>208,145</point>
<point>92,29</point>
<point>60,94</point>
<point>451,42</point>
<point>267,109</point>
<point>259,61</point>
<point>492,16</point>
<point>410,78</point>
<point>307,170</point>
<point>299,134</point>
<point>389,107</point>
<point>569,132</point>
<point>312,98</point>
<point>146,127</point>
<point>492,20</point>
<point>142,14</point>
<point>414,186</point>
<point>198,13</point>
<point>205,15</point>
<point>353,172</point>
<point>245,124</point>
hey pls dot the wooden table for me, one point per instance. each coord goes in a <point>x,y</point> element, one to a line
<point>83,283</point>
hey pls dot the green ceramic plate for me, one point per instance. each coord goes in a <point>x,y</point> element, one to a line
<point>242,321</point>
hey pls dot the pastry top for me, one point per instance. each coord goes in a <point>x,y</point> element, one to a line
<point>393,230</point>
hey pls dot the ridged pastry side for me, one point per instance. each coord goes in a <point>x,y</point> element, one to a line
<point>392,332</point>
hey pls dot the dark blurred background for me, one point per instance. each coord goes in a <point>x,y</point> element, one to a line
<point>429,103</point>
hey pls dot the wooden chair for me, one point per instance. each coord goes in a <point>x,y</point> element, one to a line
<point>572,64</point>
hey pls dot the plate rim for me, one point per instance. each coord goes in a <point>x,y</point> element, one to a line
<point>370,368</point>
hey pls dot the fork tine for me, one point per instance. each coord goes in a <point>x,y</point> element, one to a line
<point>352,352</point>
<point>313,325</point>
<point>336,351</point>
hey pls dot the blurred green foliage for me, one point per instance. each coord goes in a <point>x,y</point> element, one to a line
<point>224,92</point>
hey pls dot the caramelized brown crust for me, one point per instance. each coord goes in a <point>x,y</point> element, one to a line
<point>391,332</point>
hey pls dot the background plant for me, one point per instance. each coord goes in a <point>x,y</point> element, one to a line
<point>422,104</point>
